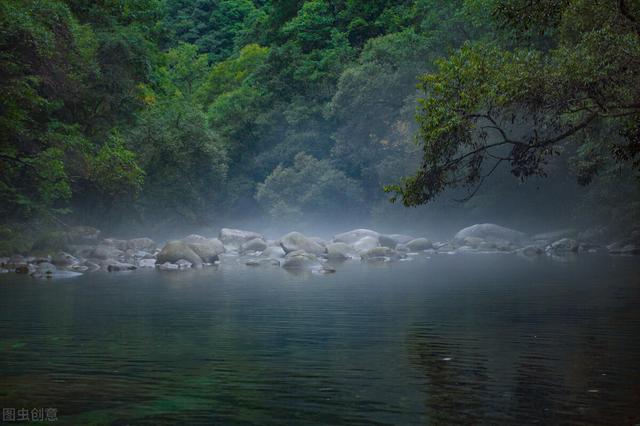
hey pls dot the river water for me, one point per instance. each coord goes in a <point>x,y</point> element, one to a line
<point>445,339</point>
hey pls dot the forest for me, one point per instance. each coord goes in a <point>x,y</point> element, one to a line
<point>158,114</point>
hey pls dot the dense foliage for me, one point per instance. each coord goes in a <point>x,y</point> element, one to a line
<point>192,111</point>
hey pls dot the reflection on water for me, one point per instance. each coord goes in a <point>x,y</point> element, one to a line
<point>451,339</point>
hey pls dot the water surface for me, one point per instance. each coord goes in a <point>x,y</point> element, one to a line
<point>491,339</point>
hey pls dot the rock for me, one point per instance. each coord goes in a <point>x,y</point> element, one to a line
<point>387,241</point>
<point>236,237</point>
<point>365,243</point>
<point>555,235</point>
<point>261,262</point>
<point>184,264</point>
<point>58,274</point>
<point>379,253</point>
<point>175,250</point>
<point>564,245</point>
<point>46,268</point>
<point>168,266</point>
<point>273,252</point>
<point>147,263</point>
<point>120,267</point>
<point>320,241</point>
<point>255,244</point>
<point>401,238</point>
<point>146,244</point>
<point>295,241</point>
<point>119,244</point>
<point>351,237</point>
<point>103,251</point>
<point>444,247</point>
<point>209,249</point>
<point>491,233</point>
<point>25,268</point>
<point>340,251</point>
<point>531,251</point>
<point>419,244</point>
<point>624,248</point>
<point>299,260</point>
<point>64,259</point>
<point>474,242</point>
<point>324,270</point>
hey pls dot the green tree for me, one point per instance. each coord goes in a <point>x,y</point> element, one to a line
<point>486,105</point>
<point>310,188</point>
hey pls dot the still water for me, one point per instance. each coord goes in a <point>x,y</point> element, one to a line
<point>463,339</point>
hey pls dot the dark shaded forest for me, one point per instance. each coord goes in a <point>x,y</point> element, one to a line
<point>158,114</point>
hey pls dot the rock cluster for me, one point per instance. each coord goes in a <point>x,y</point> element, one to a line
<point>296,251</point>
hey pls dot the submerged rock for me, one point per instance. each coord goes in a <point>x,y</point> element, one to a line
<point>295,241</point>
<point>176,250</point>
<point>351,237</point>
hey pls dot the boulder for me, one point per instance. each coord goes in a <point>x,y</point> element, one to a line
<point>351,237</point>
<point>378,253</point>
<point>624,248</point>
<point>531,251</point>
<point>340,251</point>
<point>255,244</point>
<point>474,242</point>
<point>144,243</point>
<point>419,244</point>
<point>209,249</point>
<point>295,241</point>
<point>175,250</point>
<point>103,251</point>
<point>320,241</point>
<point>491,233</point>
<point>120,267</point>
<point>147,263</point>
<point>401,238</point>
<point>46,268</point>
<point>564,245</point>
<point>555,235</point>
<point>388,241</point>
<point>168,266</point>
<point>299,260</point>
<point>234,238</point>
<point>119,244</point>
<point>365,243</point>
<point>273,252</point>
<point>184,264</point>
<point>64,259</point>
